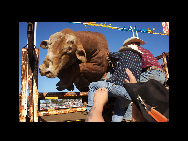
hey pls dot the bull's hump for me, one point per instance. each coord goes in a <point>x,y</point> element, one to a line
<point>91,37</point>
<point>89,33</point>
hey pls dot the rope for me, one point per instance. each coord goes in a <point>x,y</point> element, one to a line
<point>130,28</point>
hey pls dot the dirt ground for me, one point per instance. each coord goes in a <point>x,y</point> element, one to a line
<point>81,116</point>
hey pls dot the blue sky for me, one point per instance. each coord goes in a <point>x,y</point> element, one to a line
<point>115,38</point>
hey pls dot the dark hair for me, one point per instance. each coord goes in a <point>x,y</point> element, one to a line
<point>136,43</point>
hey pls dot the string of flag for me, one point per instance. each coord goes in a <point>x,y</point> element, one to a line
<point>130,28</point>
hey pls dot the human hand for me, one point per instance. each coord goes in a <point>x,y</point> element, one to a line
<point>101,96</point>
<point>131,77</point>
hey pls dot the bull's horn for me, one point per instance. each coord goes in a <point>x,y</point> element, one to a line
<point>44,44</point>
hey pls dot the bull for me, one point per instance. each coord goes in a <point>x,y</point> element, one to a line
<point>75,57</point>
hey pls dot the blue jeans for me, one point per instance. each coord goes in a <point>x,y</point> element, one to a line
<point>122,106</point>
<point>152,74</point>
<point>122,98</point>
<point>128,113</point>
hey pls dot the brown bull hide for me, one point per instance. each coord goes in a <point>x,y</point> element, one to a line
<point>75,57</point>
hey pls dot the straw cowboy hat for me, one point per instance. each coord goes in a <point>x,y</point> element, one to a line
<point>131,47</point>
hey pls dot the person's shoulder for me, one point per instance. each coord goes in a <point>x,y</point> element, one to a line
<point>145,51</point>
<point>126,52</point>
<point>141,48</point>
<point>130,52</point>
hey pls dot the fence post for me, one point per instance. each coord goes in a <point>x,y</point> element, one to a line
<point>165,68</point>
<point>24,87</point>
<point>35,85</point>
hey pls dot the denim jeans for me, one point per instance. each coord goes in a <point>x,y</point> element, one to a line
<point>122,108</point>
<point>128,113</point>
<point>152,74</point>
<point>122,98</point>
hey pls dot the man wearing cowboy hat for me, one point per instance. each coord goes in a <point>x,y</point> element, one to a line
<point>129,56</point>
<point>151,69</point>
<point>130,59</point>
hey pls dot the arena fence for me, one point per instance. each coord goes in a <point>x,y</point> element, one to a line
<point>29,80</point>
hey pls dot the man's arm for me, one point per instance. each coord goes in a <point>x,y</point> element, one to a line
<point>100,98</point>
<point>95,114</point>
<point>115,54</point>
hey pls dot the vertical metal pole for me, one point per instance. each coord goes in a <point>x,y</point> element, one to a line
<point>31,66</point>
<point>30,34</point>
<point>33,55</point>
<point>24,88</point>
<point>165,67</point>
<point>30,84</point>
<point>35,84</point>
<point>35,33</point>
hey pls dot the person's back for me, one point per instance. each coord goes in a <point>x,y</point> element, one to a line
<point>148,59</point>
<point>126,59</point>
<point>151,69</point>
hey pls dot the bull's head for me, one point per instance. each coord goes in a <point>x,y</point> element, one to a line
<point>63,50</point>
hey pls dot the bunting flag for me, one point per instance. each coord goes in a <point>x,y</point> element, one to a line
<point>89,22</point>
<point>85,23</point>
<point>165,27</point>
<point>130,28</point>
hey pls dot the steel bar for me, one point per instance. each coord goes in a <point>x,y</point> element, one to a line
<point>62,94</point>
<point>24,88</point>
<point>30,83</point>
<point>61,111</point>
<point>30,35</point>
<point>165,68</point>
<point>33,55</point>
<point>35,85</point>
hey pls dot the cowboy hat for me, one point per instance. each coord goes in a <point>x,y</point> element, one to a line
<point>131,47</point>
<point>133,39</point>
<point>151,93</point>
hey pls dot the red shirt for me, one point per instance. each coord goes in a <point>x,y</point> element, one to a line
<point>148,59</point>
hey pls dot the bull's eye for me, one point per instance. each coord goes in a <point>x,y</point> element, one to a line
<point>66,50</point>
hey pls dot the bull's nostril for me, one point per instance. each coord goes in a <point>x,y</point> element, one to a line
<point>47,72</point>
<point>39,70</point>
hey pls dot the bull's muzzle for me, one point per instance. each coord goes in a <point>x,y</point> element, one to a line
<point>42,72</point>
<point>45,72</point>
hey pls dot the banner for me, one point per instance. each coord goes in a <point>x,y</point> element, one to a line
<point>130,28</point>
<point>165,27</point>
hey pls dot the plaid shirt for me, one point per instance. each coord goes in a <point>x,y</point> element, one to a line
<point>148,59</point>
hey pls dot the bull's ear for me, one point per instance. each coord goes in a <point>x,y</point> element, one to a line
<point>81,54</point>
<point>44,44</point>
